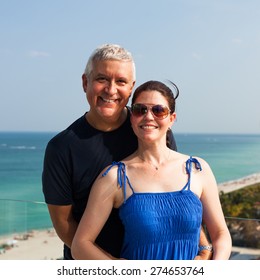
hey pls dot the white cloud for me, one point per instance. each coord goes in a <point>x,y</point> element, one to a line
<point>196,56</point>
<point>38,54</point>
<point>236,41</point>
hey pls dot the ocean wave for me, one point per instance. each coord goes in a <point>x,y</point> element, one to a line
<point>17,147</point>
<point>23,147</point>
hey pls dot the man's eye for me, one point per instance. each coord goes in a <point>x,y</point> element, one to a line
<point>101,79</point>
<point>121,82</point>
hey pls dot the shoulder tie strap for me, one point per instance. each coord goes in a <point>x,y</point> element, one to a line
<point>121,176</point>
<point>188,168</point>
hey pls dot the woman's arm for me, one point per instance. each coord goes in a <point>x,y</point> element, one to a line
<point>213,216</point>
<point>100,203</point>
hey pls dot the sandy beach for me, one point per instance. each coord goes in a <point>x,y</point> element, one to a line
<point>35,245</point>
<point>45,244</point>
<point>234,185</point>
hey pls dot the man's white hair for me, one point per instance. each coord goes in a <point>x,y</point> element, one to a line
<point>109,52</point>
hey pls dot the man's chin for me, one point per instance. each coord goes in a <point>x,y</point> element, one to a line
<point>108,113</point>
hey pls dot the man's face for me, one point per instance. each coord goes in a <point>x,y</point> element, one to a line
<point>108,88</point>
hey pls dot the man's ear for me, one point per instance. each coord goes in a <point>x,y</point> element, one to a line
<point>132,87</point>
<point>84,82</point>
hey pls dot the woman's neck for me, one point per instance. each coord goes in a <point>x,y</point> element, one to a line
<point>154,156</point>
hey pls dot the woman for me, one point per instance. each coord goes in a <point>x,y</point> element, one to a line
<point>162,195</point>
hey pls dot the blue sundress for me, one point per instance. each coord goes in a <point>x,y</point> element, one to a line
<point>160,226</point>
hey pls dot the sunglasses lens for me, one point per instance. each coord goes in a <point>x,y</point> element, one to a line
<point>139,110</point>
<point>160,111</point>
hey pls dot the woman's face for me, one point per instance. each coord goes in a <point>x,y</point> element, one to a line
<point>147,126</point>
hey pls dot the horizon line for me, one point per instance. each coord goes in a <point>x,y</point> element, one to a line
<point>174,132</point>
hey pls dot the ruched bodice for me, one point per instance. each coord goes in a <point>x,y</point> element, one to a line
<point>160,226</point>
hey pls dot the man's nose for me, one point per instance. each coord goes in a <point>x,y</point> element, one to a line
<point>111,88</point>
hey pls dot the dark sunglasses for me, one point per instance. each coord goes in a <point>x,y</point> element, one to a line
<point>158,111</point>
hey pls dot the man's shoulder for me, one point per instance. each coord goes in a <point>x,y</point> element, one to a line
<point>67,135</point>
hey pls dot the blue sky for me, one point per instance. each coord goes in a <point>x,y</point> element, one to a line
<point>210,49</point>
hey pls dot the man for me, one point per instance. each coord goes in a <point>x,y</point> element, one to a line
<point>75,157</point>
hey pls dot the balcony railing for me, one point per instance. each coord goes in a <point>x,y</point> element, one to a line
<point>18,218</point>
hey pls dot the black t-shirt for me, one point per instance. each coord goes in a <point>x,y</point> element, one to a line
<point>73,160</point>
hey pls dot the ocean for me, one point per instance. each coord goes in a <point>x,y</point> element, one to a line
<point>22,206</point>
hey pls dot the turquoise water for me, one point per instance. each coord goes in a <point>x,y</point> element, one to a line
<point>21,159</point>
<point>230,156</point>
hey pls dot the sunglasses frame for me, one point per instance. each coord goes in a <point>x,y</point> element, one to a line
<point>150,108</point>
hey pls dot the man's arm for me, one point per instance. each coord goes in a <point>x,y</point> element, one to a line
<point>204,254</point>
<point>63,222</point>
